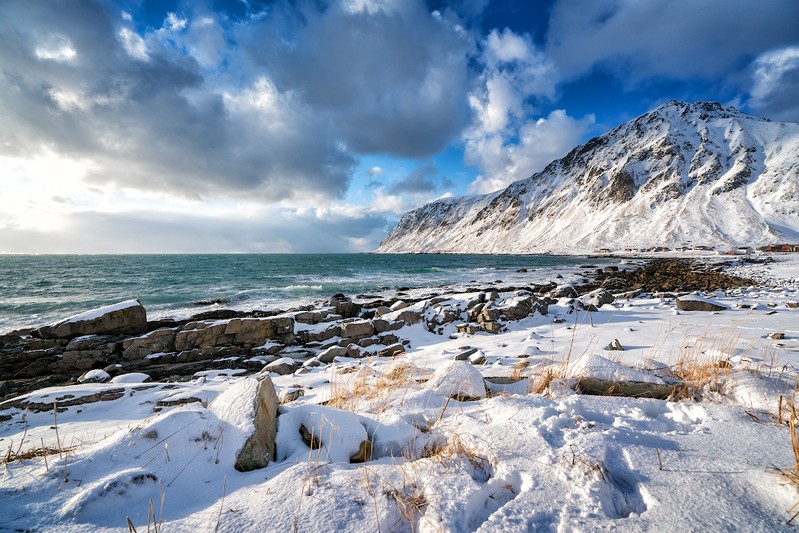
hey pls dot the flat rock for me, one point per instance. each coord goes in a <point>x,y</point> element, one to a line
<point>696,303</point>
<point>124,318</point>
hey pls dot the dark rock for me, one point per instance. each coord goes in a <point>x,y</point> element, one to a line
<point>698,305</point>
<point>125,318</point>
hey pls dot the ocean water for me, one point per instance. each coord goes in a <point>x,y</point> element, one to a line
<point>39,289</point>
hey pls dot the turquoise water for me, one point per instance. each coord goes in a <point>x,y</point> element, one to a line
<point>35,290</point>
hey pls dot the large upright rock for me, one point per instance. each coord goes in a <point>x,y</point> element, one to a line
<point>247,414</point>
<point>124,318</point>
<point>458,380</point>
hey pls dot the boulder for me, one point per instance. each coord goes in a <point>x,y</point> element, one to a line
<point>696,303</point>
<point>124,318</point>
<point>391,351</point>
<point>381,325</point>
<point>458,380</point>
<point>464,355</point>
<point>307,336</point>
<point>291,394</point>
<point>283,366</point>
<point>615,346</point>
<point>235,331</point>
<point>259,403</point>
<point>357,330</point>
<point>598,298</point>
<point>329,355</point>
<point>158,341</point>
<point>95,376</point>
<point>409,317</point>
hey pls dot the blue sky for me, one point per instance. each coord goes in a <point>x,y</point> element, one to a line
<point>312,125</point>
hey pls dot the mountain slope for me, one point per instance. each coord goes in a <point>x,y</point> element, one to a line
<point>701,174</point>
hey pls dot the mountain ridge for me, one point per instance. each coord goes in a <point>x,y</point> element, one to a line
<point>682,174</point>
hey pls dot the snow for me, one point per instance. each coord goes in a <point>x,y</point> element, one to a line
<point>507,460</point>
<point>100,311</point>
<point>681,175</point>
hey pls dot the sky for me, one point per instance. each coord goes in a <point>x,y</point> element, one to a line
<point>287,126</point>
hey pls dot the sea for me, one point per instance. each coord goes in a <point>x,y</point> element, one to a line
<point>41,289</point>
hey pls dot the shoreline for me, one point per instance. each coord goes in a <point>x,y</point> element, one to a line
<point>483,409</point>
<point>318,326</point>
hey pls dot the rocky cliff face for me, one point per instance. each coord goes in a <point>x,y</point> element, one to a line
<point>683,174</point>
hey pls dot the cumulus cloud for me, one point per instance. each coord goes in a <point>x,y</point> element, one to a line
<point>538,143</point>
<point>392,76</point>
<point>676,38</point>
<point>151,115</point>
<point>504,143</point>
<point>274,230</point>
<point>424,179</point>
<point>776,84</point>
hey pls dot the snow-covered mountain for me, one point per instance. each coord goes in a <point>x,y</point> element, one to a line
<point>695,174</point>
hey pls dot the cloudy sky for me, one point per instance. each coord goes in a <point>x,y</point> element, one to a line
<point>312,125</point>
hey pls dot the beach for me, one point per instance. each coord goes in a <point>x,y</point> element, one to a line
<point>616,400</point>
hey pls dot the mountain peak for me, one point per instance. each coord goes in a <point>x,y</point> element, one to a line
<point>683,174</point>
<point>691,112</point>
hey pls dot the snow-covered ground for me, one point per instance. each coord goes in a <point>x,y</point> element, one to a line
<point>525,453</point>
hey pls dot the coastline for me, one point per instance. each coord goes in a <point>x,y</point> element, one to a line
<point>478,396</point>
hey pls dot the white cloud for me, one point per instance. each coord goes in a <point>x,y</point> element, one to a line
<point>776,84</point>
<point>134,45</point>
<point>539,143</point>
<point>680,39</point>
<point>503,143</point>
<point>175,22</point>
<point>59,49</point>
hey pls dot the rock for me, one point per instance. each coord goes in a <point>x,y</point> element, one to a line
<point>477,358</point>
<point>398,305</point>
<point>464,355</point>
<point>364,452</point>
<point>458,380</point>
<point>236,332</point>
<point>695,303</point>
<point>158,341</point>
<point>355,351</point>
<point>517,308</point>
<point>492,327</point>
<point>329,355</point>
<point>124,318</point>
<point>381,325</point>
<point>391,351</point>
<point>307,336</point>
<point>283,366</point>
<point>776,336</point>
<point>469,329</point>
<point>615,346</point>
<point>357,330</point>
<point>598,298</point>
<point>348,309</point>
<point>409,317</point>
<point>388,339</point>
<point>95,376</point>
<point>251,407</point>
<point>67,400</point>
<point>291,394</point>
<point>382,310</point>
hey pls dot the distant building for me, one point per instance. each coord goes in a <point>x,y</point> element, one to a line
<point>780,248</point>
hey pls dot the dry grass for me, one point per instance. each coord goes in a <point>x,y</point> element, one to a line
<point>700,372</point>
<point>32,453</point>
<point>377,391</point>
<point>792,473</point>
<point>546,374</point>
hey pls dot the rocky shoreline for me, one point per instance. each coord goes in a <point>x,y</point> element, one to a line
<point>100,344</point>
